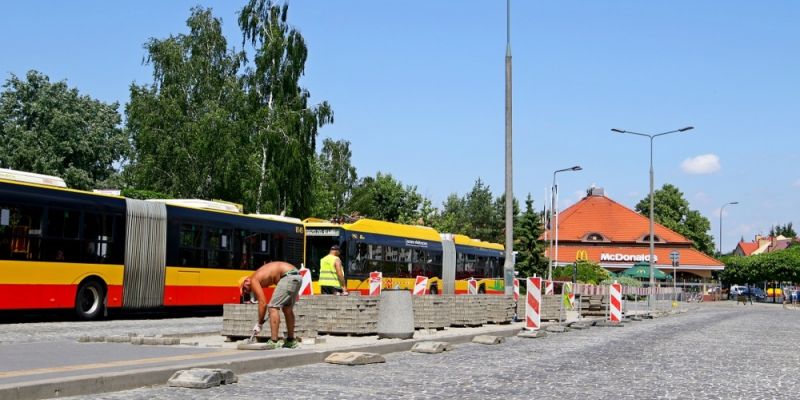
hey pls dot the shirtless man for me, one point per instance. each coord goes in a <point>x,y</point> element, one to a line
<point>287,281</point>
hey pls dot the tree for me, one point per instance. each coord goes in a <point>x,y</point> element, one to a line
<point>672,211</point>
<point>337,177</point>
<point>385,198</point>
<point>480,212</point>
<point>530,251</point>
<point>453,217</point>
<point>785,230</point>
<point>281,123</point>
<point>188,126</point>
<point>499,220</point>
<point>588,272</point>
<point>49,128</point>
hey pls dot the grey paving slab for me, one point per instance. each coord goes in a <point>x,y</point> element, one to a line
<point>696,355</point>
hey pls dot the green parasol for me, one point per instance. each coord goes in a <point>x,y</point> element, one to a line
<point>642,270</point>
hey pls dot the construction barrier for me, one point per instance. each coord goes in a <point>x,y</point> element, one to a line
<point>421,285</point>
<point>548,288</point>
<point>472,286</point>
<point>305,283</point>
<point>375,283</point>
<point>533,303</point>
<point>569,294</point>
<point>615,303</point>
<point>516,290</point>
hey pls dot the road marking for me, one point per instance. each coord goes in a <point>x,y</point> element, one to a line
<point>80,367</point>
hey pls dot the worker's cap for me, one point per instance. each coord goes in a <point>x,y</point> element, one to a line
<point>335,247</point>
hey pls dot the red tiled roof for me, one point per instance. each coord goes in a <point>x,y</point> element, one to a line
<point>611,219</point>
<point>748,247</point>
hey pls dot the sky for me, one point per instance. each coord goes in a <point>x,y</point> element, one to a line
<point>417,87</point>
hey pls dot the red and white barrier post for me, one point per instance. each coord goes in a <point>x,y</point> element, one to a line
<point>305,283</point>
<point>472,286</point>
<point>421,285</point>
<point>516,290</point>
<point>615,303</point>
<point>375,283</point>
<point>548,288</point>
<point>533,303</point>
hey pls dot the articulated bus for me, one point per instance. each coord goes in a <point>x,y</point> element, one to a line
<point>65,248</point>
<point>403,252</point>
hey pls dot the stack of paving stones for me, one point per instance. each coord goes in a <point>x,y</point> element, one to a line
<point>499,309</point>
<point>551,308</point>
<point>238,321</point>
<point>468,310</point>
<point>345,315</point>
<point>595,305</point>
<point>431,312</point>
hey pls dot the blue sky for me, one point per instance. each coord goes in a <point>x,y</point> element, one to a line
<point>417,87</point>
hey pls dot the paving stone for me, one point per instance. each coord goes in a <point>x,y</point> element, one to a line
<point>488,339</point>
<point>354,358</point>
<point>431,347</point>
<point>578,325</point>
<point>556,329</point>
<point>196,378</point>
<point>528,334</point>
<point>118,339</point>
<point>253,346</point>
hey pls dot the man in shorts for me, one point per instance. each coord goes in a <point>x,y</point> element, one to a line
<point>287,280</point>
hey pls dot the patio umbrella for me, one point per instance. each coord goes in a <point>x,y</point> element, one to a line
<point>641,270</point>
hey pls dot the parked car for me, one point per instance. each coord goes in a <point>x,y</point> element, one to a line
<point>736,291</point>
<point>758,294</point>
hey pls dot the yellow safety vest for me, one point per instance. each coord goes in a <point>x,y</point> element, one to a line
<point>327,272</point>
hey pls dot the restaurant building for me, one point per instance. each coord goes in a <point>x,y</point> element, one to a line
<point>602,231</point>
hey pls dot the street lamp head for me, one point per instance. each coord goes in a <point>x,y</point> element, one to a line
<point>734,202</point>
<point>576,168</point>
<point>688,128</point>
<point>617,130</point>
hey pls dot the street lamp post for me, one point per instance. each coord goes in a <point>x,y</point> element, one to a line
<point>720,223</point>
<point>508,267</point>
<point>554,210</point>
<point>652,242</point>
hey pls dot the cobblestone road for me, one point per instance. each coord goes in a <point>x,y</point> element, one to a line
<point>716,351</point>
<point>72,330</point>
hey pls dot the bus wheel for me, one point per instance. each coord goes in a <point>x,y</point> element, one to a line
<point>482,290</point>
<point>89,301</point>
<point>434,289</point>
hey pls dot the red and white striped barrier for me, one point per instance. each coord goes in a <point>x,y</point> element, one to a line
<point>472,286</point>
<point>533,318</point>
<point>615,303</point>
<point>421,285</point>
<point>548,288</point>
<point>516,290</point>
<point>305,283</point>
<point>375,283</point>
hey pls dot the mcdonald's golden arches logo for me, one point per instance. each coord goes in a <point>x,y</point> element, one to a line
<point>581,255</point>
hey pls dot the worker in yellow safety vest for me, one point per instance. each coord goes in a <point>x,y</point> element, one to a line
<point>331,274</point>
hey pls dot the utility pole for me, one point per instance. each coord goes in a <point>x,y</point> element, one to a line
<point>508,268</point>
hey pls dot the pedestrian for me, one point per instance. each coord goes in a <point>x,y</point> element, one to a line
<point>287,280</point>
<point>331,273</point>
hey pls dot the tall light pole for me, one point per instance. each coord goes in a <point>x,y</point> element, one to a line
<point>508,267</point>
<point>554,212</point>
<point>720,224</point>
<point>652,243</point>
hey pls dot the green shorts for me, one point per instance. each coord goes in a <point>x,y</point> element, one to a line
<point>286,292</point>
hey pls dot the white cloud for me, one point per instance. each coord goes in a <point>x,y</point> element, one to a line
<point>702,164</point>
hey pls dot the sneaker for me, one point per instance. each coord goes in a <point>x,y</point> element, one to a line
<point>271,345</point>
<point>291,344</point>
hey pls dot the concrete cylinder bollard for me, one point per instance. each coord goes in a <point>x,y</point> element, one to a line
<point>395,315</point>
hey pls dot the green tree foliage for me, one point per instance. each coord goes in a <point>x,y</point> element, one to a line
<point>282,124</point>
<point>530,251</point>
<point>336,179</point>
<point>49,128</point>
<point>188,126</point>
<point>785,230</point>
<point>453,217</point>
<point>672,211</point>
<point>588,272</point>
<point>385,198</point>
<point>783,266</point>
<point>622,280</point>
<point>214,125</point>
<point>476,214</point>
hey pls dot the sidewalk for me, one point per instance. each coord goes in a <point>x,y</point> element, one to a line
<point>67,368</point>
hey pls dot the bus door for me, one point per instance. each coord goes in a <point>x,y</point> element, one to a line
<point>318,245</point>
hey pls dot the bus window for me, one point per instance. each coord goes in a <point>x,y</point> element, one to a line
<point>391,253</point>
<point>97,237</point>
<point>260,247</point>
<point>218,248</point>
<point>278,247</point>
<point>357,260</point>
<point>191,250</point>
<point>20,232</point>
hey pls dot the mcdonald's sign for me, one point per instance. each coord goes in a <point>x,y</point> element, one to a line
<point>581,255</point>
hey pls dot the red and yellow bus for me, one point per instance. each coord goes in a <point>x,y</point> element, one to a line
<point>403,252</point>
<point>65,248</point>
